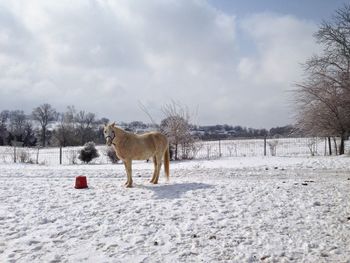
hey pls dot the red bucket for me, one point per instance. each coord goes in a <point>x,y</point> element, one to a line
<point>80,182</point>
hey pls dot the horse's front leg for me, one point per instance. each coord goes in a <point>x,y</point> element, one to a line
<point>127,164</point>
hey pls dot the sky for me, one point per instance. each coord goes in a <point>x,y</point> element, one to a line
<point>229,62</point>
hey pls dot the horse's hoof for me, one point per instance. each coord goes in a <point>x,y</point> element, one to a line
<point>129,186</point>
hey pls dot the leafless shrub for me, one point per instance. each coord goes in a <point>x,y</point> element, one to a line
<point>232,148</point>
<point>190,150</point>
<point>208,148</point>
<point>111,154</point>
<point>196,148</point>
<point>273,146</point>
<point>312,145</point>
<point>72,156</point>
<point>7,155</point>
<point>23,156</point>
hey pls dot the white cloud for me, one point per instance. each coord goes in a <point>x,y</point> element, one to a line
<point>282,43</point>
<point>105,56</point>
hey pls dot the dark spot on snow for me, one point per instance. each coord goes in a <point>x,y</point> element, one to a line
<point>266,168</point>
<point>276,167</point>
<point>303,183</point>
<point>155,243</point>
<point>264,257</point>
<point>284,182</point>
<point>194,236</point>
<point>348,218</point>
<point>278,187</point>
<point>212,237</point>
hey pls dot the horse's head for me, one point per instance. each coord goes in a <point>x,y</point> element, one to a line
<point>109,134</point>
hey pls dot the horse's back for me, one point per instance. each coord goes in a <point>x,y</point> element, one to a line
<point>156,138</point>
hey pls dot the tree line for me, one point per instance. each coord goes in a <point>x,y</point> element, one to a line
<point>222,132</point>
<point>47,127</point>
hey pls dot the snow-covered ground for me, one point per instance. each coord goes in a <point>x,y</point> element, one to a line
<point>273,209</point>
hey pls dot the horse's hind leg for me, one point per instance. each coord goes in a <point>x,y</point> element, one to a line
<point>127,164</point>
<point>155,169</point>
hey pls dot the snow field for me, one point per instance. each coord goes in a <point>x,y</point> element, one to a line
<point>227,210</point>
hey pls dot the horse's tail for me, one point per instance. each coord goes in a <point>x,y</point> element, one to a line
<point>167,163</point>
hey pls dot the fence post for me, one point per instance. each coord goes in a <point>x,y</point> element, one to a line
<point>14,154</point>
<point>265,146</point>
<point>60,154</point>
<point>330,145</point>
<point>220,148</point>
<point>37,156</point>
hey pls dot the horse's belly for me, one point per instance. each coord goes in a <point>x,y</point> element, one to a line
<point>143,155</point>
<point>134,154</point>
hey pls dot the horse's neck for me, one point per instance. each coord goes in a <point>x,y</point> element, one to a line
<point>121,137</point>
<point>119,132</point>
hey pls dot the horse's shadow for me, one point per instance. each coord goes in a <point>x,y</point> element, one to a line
<point>175,191</point>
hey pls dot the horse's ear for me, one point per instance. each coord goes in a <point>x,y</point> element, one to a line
<point>113,124</point>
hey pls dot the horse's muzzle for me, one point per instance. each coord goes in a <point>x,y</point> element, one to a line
<point>109,142</point>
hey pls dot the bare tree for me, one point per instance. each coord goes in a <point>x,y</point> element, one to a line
<point>28,136</point>
<point>4,116</point>
<point>323,99</point>
<point>44,114</point>
<point>64,134</point>
<point>85,124</point>
<point>18,121</point>
<point>176,125</point>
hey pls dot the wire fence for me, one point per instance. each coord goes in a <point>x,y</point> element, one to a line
<point>262,147</point>
<point>49,156</point>
<point>283,147</point>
